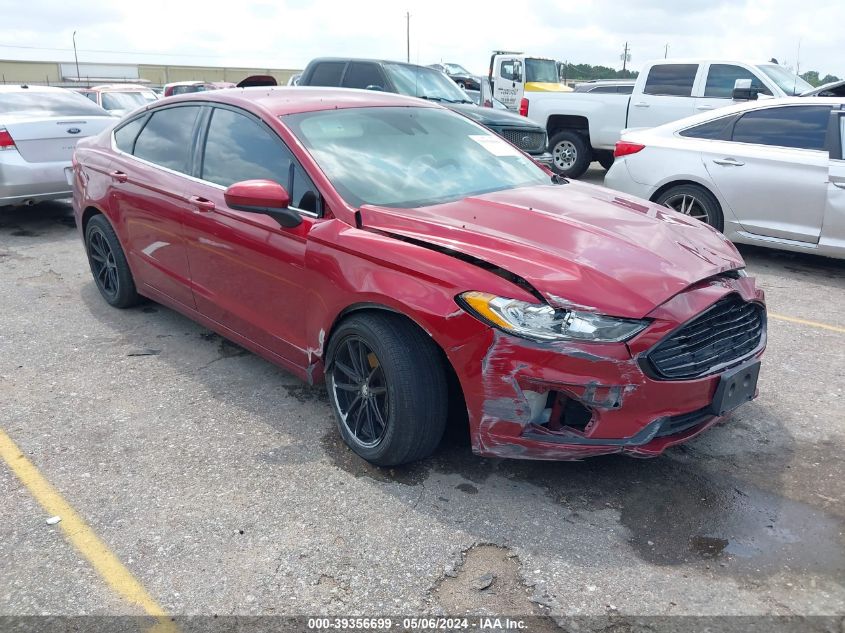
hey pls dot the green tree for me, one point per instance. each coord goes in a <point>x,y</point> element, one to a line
<point>811,77</point>
<point>829,79</point>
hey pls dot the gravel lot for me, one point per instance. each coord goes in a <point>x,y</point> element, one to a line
<point>220,482</point>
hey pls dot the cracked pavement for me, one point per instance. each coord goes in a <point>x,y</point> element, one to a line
<point>221,483</point>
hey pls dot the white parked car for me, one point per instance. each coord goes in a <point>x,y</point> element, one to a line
<point>39,128</point>
<point>767,172</point>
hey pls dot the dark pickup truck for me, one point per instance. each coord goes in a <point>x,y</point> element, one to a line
<point>430,84</point>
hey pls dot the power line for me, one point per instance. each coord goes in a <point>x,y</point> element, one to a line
<point>100,50</point>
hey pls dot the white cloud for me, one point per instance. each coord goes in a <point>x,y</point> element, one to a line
<point>288,33</point>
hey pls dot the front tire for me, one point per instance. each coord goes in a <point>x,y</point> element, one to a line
<point>571,152</point>
<point>387,387</point>
<point>696,202</point>
<point>108,264</point>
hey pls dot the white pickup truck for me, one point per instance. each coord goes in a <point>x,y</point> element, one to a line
<point>584,126</point>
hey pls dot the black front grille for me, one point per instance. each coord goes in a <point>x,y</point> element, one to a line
<point>729,331</point>
<point>526,140</point>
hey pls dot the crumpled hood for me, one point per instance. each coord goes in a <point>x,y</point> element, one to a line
<point>579,245</point>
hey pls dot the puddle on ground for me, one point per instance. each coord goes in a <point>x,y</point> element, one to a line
<point>676,511</point>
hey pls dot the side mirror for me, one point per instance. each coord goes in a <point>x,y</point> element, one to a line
<point>265,197</point>
<point>743,91</point>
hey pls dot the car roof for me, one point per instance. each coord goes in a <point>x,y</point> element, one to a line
<point>193,82</point>
<point>28,88</point>
<point>712,60</point>
<point>120,87</point>
<point>282,100</point>
<point>366,59</point>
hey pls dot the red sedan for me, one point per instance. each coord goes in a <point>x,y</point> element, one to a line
<point>424,268</point>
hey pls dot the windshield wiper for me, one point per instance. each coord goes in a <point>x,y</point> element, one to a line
<point>559,180</point>
<point>439,99</point>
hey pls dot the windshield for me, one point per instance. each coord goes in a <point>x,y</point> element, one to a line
<point>786,80</point>
<point>43,103</point>
<point>427,83</point>
<point>456,69</point>
<point>125,100</point>
<point>541,71</point>
<point>410,157</point>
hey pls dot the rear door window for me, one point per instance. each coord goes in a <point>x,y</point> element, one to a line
<point>800,127</point>
<point>672,80</point>
<point>327,74</point>
<point>167,138</point>
<point>722,77</point>
<point>363,75</point>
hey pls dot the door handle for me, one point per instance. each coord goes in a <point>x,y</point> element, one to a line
<point>202,204</point>
<point>704,107</point>
<point>119,176</point>
<point>641,104</point>
<point>729,162</point>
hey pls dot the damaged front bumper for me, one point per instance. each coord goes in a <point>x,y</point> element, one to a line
<point>562,401</point>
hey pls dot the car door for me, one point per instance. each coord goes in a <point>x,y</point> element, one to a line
<point>773,171</point>
<point>507,86</point>
<point>148,173</point>
<point>666,96</point>
<point>833,227</point>
<point>717,88</point>
<point>248,273</point>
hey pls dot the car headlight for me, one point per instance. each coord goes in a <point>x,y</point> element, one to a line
<point>542,322</point>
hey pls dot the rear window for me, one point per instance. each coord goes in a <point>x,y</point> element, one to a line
<point>672,80</point>
<point>363,75</point>
<point>43,103</point>
<point>326,74</point>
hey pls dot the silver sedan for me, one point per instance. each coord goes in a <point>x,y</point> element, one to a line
<point>768,172</point>
<point>39,128</point>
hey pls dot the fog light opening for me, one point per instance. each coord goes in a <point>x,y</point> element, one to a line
<point>568,412</point>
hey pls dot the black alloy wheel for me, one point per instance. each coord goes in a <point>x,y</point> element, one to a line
<point>108,264</point>
<point>387,387</point>
<point>360,391</point>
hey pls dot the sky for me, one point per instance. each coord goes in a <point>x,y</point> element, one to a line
<point>288,33</point>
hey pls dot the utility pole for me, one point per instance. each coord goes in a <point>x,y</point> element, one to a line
<point>408,37</point>
<point>626,57</point>
<point>76,59</point>
<point>666,51</point>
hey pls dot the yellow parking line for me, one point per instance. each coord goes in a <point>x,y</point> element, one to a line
<point>822,326</point>
<point>118,577</point>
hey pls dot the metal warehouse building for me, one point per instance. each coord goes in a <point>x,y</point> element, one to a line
<point>66,73</point>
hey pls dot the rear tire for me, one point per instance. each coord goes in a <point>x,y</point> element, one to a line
<point>696,202</point>
<point>109,267</point>
<point>571,153</point>
<point>387,387</point>
<point>605,158</point>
